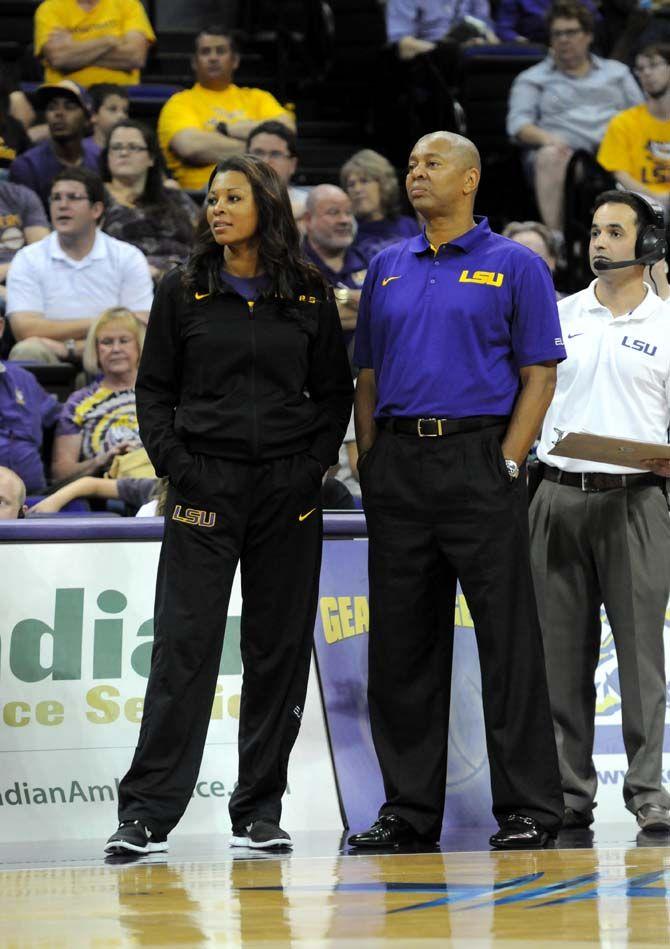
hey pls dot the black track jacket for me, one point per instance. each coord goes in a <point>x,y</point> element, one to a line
<point>221,377</point>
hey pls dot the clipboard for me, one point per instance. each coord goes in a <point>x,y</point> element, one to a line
<point>624,452</point>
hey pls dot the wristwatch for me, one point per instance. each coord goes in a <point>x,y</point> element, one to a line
<point>341,295</point>
<point>512,469</point>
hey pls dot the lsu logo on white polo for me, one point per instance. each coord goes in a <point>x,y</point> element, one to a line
<point>486,277</point>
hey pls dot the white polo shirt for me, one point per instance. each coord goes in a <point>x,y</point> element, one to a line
<point>43,279</point>
<point>616,379</point>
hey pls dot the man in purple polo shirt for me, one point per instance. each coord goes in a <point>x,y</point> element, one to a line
<point>457,342</point>
<point>25,410</point>
<point>67,113</point>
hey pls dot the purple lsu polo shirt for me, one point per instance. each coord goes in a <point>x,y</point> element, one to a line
<point>446,333</point>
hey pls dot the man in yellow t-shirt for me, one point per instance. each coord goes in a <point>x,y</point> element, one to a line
<point>636,146</point>
<point>203,125</point>
<point>92,41</point>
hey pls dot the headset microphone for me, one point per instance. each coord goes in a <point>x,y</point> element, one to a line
<point>651,244</point>
<point>601,265</point>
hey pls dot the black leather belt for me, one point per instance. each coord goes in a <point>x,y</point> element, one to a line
<point>600,480</point>
<point>439,427</point>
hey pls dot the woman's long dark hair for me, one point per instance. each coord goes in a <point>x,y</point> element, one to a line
<point>154,191</point>
<point>279,252</point>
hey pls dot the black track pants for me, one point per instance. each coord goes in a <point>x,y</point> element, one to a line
<point>268,517</point>
<point>437,510</point>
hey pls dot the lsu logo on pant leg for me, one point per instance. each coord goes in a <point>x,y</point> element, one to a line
<point>192,515</point>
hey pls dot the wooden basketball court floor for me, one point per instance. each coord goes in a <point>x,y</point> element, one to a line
<point>608,888</point>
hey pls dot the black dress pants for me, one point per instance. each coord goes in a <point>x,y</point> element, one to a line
<point>438,510</point>
<point>268,517</point>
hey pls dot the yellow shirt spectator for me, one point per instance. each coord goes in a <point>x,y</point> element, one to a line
<point>73,23</point>
<point>202,109</point>
<point>639,144</point>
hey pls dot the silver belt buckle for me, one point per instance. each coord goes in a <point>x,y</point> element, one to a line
<point>585,484</point>
<point>429,434</point>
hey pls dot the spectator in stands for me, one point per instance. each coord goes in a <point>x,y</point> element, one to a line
<point>140,209</point>
<point>67,115</point>
<point>540,239</point>
<point>99,421</point>
<point>275,143</point>
<point>109,105</point>
<point>525,21</point>
<point>12,495</point>
<point>25,410</point>
<point>636,146</point>
<point>13,137</point>
<point>564,103</point>
<point>203,125</point>
<point>92,41</point>
<point>22,221</point>
<point>536,237</point>
<point>329,236</point>
<point>58,287</point>
<point>372,185</point>
<point>134,492</point>
<point>418,26</point>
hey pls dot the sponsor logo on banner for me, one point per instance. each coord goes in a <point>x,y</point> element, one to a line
<point>75,651</point>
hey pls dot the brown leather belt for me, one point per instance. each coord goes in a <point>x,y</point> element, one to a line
<point>600,480</point>
<point>439,427</point>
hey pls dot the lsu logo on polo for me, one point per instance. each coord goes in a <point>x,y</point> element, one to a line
<point>193,516</point>
<point>487,277</point>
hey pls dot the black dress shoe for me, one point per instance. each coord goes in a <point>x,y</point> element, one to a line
<point>388,831</point>
<point>573,819</point>
<point>518,832</point>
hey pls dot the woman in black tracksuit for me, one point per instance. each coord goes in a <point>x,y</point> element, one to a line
<point>243,397</point>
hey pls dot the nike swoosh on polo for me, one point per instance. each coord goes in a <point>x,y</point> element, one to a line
<point>389,279</point>
<point>302,517</point>
<point>201,296</point>
<point>572,335</point>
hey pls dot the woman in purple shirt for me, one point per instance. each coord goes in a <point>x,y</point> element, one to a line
<point>372,185</point>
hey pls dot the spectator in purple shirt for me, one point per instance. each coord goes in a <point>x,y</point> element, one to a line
<point>25,409</point>
<point>372,185</point>
<point>67,114</point>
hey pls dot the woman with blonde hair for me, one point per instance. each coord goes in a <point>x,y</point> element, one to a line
<point>99,421</point>
<point>372,185</point>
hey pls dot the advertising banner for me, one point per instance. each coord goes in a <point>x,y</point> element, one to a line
<point>76,629</point>
<point>75,641</point>
<point>341,638</point>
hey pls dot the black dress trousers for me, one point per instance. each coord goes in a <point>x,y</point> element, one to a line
<point>438,510</point>
<point>268,517</point>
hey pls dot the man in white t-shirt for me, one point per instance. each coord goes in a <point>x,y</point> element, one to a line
<point>58,287</point>
<point>600,533</point>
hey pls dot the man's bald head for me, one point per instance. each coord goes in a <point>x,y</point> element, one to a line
<point>443,176</point>
<point>461,150</point>
<point>323,193</point>
<point>12,494</point>
<point>329,220</point>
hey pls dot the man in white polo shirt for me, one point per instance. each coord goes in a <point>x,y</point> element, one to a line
<point>601,533</point>
<point>58,287</point>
